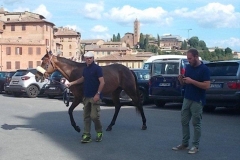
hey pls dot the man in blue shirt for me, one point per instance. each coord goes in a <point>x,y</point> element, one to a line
<point>92,87</point>
<point>196,80</point>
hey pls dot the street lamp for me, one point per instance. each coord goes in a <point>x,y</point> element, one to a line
<point>188,32</point>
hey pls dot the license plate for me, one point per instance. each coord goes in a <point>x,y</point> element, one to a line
<point>52,88</point>
<point>15,82</point>
<point>165,84</point>
<point>215,85</point>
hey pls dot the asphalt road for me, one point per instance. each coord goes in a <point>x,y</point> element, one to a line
<point>39,129</point>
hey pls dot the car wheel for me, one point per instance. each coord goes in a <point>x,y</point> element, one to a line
<point>159,103</point>
<point>209,108</point>
<point>50,96</point>
<point>17,94</point>
<point>32,91</point>
<point>143,96</point>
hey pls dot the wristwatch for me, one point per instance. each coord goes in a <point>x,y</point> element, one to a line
<point>98,93</point>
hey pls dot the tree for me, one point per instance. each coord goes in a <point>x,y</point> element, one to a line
<point>114,39</point>
<point>158,40</point>
<point>228,50</point>
<point>141,41</point>
<point>146,42</point>
<point>118,37</point>
<point>193,42</point>
<point>184,45</point>
<point>202,45</point>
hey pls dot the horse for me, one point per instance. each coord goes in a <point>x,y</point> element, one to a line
<point>117,77</point>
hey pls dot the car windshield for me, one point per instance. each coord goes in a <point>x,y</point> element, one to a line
<point>21,73</point>
<point>223,68</point>
<point>165,68</point>
<point>142,75</point>
<point>147,65</point>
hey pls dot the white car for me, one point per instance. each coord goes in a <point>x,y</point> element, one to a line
<point>23,81</point>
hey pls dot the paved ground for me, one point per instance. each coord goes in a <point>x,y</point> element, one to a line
<point>39,129</point>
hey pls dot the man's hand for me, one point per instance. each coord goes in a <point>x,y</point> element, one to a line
<point>180,78</point>
<point>187,80</point>
<point>96,98</point>
<point>68,84</point>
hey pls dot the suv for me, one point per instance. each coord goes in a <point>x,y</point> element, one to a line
<point>23,81</point>
<point>225,85</point>
<point>142,80</point>
<point>54,87</point>
<point>8,80</point>
<point>163,84</point>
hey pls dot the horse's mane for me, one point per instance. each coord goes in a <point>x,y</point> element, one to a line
<point>70,62</point>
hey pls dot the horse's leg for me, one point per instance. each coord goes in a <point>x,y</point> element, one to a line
<point>137,102</point>
<point>76,101</point>
<point>117,104</point>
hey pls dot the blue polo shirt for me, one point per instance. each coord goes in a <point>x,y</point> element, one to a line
<point>200,73</point>
<point>91,83</point>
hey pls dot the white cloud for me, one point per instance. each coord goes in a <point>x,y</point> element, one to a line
<point>99,28</point>
<point>42,10</point>
<point>93,10</point>
<point>233,43</point>
<point>128,14</point>
<point>105,36</point>
<point>214,15</point>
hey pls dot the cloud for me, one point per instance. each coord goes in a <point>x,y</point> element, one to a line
<point>93,10</point>
<point>21,9</point>
<point>232,43</point>
<point>42,10</point>
<point>128,14</point>
<point>99,28</point>
<point>213,15</point>
<point>105,36</point>
<point>11,1</point>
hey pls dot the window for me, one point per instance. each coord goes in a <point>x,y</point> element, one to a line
<point>47,42</point>
<point>9,65</point>
<point>223,68</point>
<point>8,50</point>
<point>17,64</point>
<point>30,50</point>
<point>4,27</point>
<point>108,53</point>
<point>61,39</point>
<point>8,19</point>
<point>18,50</point>
<point>38,63</point>
<point>30,64</point>
<point>23,27</point>
<point>70,46</point>
<point>12,27</point>
<point>46,28</point>
<point>38,50</point>
<point>70,53</point>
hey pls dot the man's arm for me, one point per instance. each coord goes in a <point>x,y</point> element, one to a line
<point>203,85</point>
<point>80,80</point>
<point>101,85</point>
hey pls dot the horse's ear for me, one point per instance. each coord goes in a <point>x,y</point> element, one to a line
<point>50,53</point>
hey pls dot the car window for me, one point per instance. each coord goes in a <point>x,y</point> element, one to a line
<point>142,75</point>
<point>21,73</point>
<point>223,68</point>
<point>147,65</point>
<point>165,68</point>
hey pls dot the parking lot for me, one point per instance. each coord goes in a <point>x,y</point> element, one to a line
<point>39,128</point>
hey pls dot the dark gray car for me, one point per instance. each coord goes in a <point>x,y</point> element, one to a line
<point>225,84</point>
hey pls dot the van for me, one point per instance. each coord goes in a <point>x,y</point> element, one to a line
<point>148,63</point>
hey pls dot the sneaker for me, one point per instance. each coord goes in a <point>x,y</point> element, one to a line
<point>180,147</point>
<point>86,139</point>
<point>193,150</point>
<point>99,137</point>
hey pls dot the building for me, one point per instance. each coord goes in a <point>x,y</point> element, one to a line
<point>24,38</point>
<point>170,42</point>
<point>68,43</point>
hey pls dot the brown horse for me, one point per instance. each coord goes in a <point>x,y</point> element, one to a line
<point>116,77</point>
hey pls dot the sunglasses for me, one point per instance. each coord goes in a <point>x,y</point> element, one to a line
<point>89,58</point>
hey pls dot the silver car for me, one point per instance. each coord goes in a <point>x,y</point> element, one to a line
<point>23,81</point>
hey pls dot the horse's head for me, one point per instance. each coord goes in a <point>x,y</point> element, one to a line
<point>47,67</point>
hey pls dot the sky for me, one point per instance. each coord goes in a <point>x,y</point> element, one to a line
<point>215,22</point>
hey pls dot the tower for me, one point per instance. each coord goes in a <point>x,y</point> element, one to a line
<point>136,32</point>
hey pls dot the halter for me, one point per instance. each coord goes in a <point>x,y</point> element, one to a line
<point>50,60</point>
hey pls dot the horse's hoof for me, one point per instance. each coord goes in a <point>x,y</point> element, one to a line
<point>144,127</point>
<point>77,128</point>
<point>109,129</point>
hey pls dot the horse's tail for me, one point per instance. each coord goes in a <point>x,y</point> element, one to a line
<point>137,92</point>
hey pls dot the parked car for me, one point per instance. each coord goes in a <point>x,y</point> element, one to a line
<point>225,85</point>
<point>2,80</point>
<point>142,80</point>
<point>54,87</point>
<point>23,81</point>
<point>8,78</point>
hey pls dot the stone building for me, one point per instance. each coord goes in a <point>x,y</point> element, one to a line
<point>24,37</point>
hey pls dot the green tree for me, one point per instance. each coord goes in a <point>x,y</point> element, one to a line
<point>146,43</point>
<point>158,40</point>
<point>114,39</point>
<point>193,42</point>
<point>118,37</point>
<point>202,45</point>
<point>184,45</point>
<point>228,50</point>
<point>141,41</point>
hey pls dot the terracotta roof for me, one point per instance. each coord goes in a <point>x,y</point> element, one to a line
<point>118,57</point>
<point>26,19</point>
<point>112,43</point>
<point>91,40</point>
<point>66,33</point>
<point>89,48</point>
